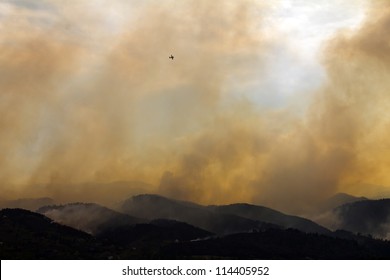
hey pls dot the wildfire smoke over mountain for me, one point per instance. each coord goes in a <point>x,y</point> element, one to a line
<point>89,96</point>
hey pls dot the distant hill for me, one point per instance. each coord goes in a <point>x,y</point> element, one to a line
<point>31,204</point>
<point>106,193</point>
<point>29,235</point>
<point>340,199</point>
<point>103,193</point>
<point>219,219</point>
<point>268,215</point>
<point>158,207</point>
<point>89,217</point>
<point>366,217</point>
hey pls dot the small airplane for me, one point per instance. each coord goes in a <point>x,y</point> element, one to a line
<point>172,57</point>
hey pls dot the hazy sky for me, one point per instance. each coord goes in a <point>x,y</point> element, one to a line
<point>275,102</point>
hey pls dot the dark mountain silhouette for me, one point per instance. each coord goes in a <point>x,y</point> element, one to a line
<point>29,235</point>
<point>180,230</point>
<point>150,205</point>
<point>147,240</point>
<point>31,204</point>
<point>89,217</point>
<point>219,219</point>
<point>158,207</point>
<point>279,244</point>
<point>268,215</point>
<point>371,217</point>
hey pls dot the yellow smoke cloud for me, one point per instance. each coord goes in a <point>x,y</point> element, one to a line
<point>88,98</point>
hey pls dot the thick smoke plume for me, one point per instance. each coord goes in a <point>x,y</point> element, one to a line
<point>89,97</point>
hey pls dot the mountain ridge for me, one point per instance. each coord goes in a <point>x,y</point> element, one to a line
<point>213,218</point>
<point>88,217</point>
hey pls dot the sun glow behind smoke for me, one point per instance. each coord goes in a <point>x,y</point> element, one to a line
<point>246,111</point>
